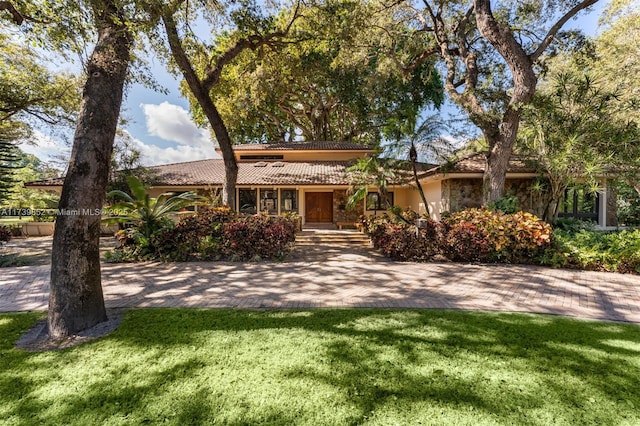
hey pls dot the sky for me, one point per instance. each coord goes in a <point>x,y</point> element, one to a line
<point>161,128</point>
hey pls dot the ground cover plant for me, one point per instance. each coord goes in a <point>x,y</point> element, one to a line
<point>589,249</point>
<point>320,367</point>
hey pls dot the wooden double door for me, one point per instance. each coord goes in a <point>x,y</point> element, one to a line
<point>318,207</point>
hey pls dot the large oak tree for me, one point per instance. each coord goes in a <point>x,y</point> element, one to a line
<point>489,51</point>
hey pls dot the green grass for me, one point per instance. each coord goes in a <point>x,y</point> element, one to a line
<point>328,367</point>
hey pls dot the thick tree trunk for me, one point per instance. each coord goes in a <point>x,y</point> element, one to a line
<point>524,86</point>
<point>76,300</point>
<point>501,146</point>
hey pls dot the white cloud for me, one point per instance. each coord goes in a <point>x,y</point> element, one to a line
<point>173,123</point>
<point>47,149</point>
<point>152,155</point>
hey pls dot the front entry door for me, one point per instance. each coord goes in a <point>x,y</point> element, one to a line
<point>318,206</point>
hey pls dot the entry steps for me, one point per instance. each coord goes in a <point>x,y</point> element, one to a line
<point>329,237</point>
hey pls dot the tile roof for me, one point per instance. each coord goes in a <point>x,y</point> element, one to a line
<point>305,146</point>
<point>476,163</point>
<point>211,172</point>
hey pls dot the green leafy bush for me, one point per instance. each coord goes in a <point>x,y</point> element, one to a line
<point>595,250</point>
<point>507,205</point>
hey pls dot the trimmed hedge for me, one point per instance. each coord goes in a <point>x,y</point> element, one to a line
<point>212,234</point>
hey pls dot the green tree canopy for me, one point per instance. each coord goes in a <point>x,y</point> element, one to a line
<point>30,95</point>
<point>328,82</point>
<point>576,129</point>
<point>488,51</point>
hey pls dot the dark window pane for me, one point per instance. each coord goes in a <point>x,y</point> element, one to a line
<point>374,202</point>
<point>247,201</point>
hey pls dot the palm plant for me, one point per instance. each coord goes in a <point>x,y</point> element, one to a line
<point>425,143</point>
<point>147,213</point>
<point>371,171</point>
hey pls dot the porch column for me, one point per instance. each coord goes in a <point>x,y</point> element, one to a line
<point>602,208</point>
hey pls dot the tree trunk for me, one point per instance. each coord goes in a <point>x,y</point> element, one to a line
<point>524,86</point>
<point>201,94</point>
<point>413,157</point>
<point>501,146</point>
<point>76,300</point>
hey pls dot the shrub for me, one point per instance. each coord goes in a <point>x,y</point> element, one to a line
<point>463,241</point>
<point>400,240</point>
<point>195,237</point>
<point>595,250</point>
<point>5,234</point>
<point>218,233</point>
<point>572,224</point>
<point>492,236</point>
<point>508,204</point>
<point>259,237</point>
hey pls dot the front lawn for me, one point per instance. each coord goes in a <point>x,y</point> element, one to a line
<point>328,367</point>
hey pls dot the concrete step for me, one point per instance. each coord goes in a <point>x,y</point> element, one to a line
<point>331,238</point>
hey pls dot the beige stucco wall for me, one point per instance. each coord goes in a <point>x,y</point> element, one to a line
<point>433,194</point>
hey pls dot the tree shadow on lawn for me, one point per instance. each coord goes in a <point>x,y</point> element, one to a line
<point>330,367</point>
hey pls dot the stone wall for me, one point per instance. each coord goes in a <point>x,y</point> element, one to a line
<point>340,211</point>
<point>460,194</point>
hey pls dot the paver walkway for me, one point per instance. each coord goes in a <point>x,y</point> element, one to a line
<point>330,277</point>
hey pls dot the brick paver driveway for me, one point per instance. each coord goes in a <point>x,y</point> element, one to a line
<point>335,278</point>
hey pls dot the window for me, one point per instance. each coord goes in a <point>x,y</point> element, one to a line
<point>374,202</point>
<point>289,201</point>
<point>247,201</point>
<point>580,203</point>
<point>261,157</point>
<point>269,200</point>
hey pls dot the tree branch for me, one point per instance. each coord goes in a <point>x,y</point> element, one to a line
<point>254,41</point>
<point>556,27</point>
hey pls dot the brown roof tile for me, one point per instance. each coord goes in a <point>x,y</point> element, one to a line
<point>211,172</point>
<point>476,163</point>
